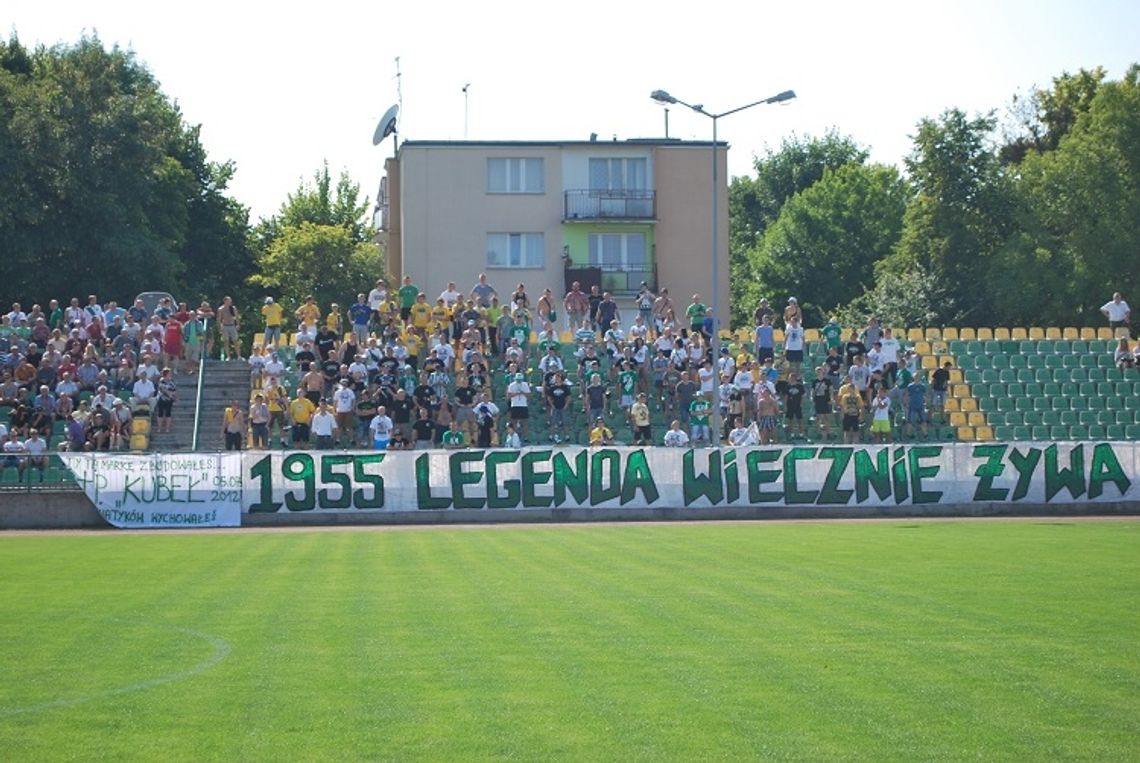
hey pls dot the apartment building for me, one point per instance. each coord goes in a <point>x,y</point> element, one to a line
<point>543,213</point>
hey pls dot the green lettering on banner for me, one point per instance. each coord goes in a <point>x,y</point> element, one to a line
<point>1026,466</point>
<point>988,472</point>
<point>298,467</point>
<point>758,477</point>
<point>361,499</point>
<point>460,477</point>
<point>638,476</point>
<point>792,494</point>
<point>1058,479</point>
<point>605,463</point>
<point>731,478</point>
<point>344,496</point>
<point>262,471</point>
<point>872,474</point>
<point>576,480</point>
<point>898,476</point>
<point>707,485</point>
<point>918,473</point>
<point>1106,468</point>
<point>495,500</point>
<point>531,477</point>
<point>424,499</point>
<point>831,494</point>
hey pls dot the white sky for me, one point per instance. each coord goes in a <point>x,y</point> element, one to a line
<point>278,87</point>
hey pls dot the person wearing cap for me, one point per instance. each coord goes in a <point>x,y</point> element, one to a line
<point>601,434</point>
<point>793,312</point>
<point>273,314</point>
<point>518,398</point>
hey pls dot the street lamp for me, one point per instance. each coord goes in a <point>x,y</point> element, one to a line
<point>663,97</point>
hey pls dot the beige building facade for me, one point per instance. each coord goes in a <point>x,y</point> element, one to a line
<point>540,213</point>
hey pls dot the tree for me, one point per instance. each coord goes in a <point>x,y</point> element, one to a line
<point>101,177</point>
<point>824,245</point>
<point>319,244</point>
<point>1046,116</point>
<point>959,218</point>
<point>755,203</point>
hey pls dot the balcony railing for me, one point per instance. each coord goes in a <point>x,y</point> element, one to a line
<point>584,204</point>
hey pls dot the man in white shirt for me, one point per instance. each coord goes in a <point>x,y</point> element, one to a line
<point>274,368</point>
<point>794,346</point>
<point>323,426</point>
<point>450,295</point>
<point>344,405</point>
<point>518,394</point>
<point>1117,312</point>
<point>890,349</point>
<point>376,298</point>
<point>36,448</point>
<point>381,429</point>
<point>676,437</point>
<point>144,392</point>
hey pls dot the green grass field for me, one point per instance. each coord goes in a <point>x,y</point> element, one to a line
<point>871,641</point>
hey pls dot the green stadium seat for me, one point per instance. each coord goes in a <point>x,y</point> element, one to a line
<point>1052,389</point>
<point>1132,403</point>
<point>1115,432</point>
<point>972,377</point>
<point>1078,403</point>
<point>1124,417</point>
<point>1051,418</point>
<point>995,418</point>
<point>1070,418</point>
<point>1062,347</point>
<point>1023,404</point>
<point>1004,433</point>
<point>1000,362</point>
<point>1058,433</point>
<point>1069,389</point>
<point>1132,432</point>
<point>1042,404</point>
<point>1071,361</point>
<point>1035,362</point>
<point>1105,361</point>
<point>1018,361</point>
<point>1015,389</point>
<point>1078,432</point>
<point>1079,375</point>
<point>1033,418</point>
<point>1007,376</point>
<point>1089,418</point>
<point>1113,404</point>
<point>1043,376</point>
<point>1089,361</point>
<point>982,361</point>
<point>965,362</point>
<point>1059,403</point>
<point>1123,389</point>
<point>1045,347</point>
<point>957,347</point>
<point>1054,361</point>
<point>1105,417</point>
<point>1080,347</point>
<point>1106,389</point>
<point>987,404</point>
<point>991,376</point>
<point>1022,433</point>
<point>1097,432</point>
<point>1027,347</point>
<point>1096,375</point>
<point>1009,346</point>
<point>1016,418</point>
<point>1033,390</point>
<point>975,348</point>
<point>1006,404</point>
<point>1027,376</point>
<point>1113,375</point>
<point>1086,389</point>
<point>1040,433</point>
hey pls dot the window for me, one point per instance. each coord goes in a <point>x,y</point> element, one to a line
<point>515,176</point>
<point>618,175</point>
<point>515,250</point>
<point>618,251</point>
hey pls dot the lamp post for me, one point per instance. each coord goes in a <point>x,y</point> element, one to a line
<point>664,98</point>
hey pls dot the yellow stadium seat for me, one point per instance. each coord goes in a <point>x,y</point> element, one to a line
<point>778,336</point>
<point>1036,332</point>
<point>1088,333</point>
<point>939,347</point>
<point>1018,334</point>
<point>811,335</point>
<point>922,347</point>
<point>961,390</point>
<point>957,419</point>
<point>976,419</point>
<point>1053,332</point>
<point>951,404</point>
<point>1070,333</point>
<point>1001,333</point>
<point>914,335</point>
<point>967,404</point>
<point>955,376</point>
<point>932,334</point>
<point>139,442</point>
<point>967,334</point>
<point>1104,332</point>
<point>966,434</point>
<point>949,333</point>
<point>258,339</point>
<point>929,362</point>
<point>985,334</point>
<point>1121,332</point>
<point>984,434</point>
<point>565,337</point>
<point>140,426</point>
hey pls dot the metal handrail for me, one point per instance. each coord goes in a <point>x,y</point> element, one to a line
<point>201,376</point>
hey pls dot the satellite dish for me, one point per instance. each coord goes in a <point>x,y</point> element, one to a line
<point>387,125</point>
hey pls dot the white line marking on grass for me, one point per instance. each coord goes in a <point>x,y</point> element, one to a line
<point>221,650</point>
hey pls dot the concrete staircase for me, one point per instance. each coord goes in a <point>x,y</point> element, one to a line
<point>222,382</point>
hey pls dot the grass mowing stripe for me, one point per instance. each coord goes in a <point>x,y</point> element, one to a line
<point>944,640</point>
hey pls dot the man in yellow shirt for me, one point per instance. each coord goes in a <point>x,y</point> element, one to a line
<point>308,312</point>
<point>601,434</point>
<point>851,406</point>
<point>440,316</point>
<point>273,314</point>
<point>421,315</point>
<point>277,400</point>
<point>301,412</point>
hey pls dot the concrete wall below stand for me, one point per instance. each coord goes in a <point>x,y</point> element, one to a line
<point>71,509</point>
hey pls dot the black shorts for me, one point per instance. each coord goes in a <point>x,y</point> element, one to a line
<point>643,433</point>
<point>405,313</point>
<point>763,353</point>
<point>300,433</point>
<point>163,408</point>
<point>822,407</point>
<point>794,356</point>
<point>314,396</point>
<point>850,423</point>
<point>794,413</point>
<point>520,412</point>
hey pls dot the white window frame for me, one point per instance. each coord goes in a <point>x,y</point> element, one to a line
<point>618,174</point>
<point>516,251</point>
<point>595,245</point>
<point>522,174</point>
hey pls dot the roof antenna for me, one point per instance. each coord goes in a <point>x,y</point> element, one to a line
<point>399,89</point>
<point>465,87</point>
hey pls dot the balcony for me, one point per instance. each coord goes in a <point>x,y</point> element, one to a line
<point>593,205</point>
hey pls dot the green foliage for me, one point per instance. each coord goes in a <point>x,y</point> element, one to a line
<point>755,203</point>
<point>105,185</point>
<point>321,260</point>
<point>824,245</point>
<point>1047,116</point>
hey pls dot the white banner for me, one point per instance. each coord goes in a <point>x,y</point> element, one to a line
<point>197,490</point>
<point>162,489</point>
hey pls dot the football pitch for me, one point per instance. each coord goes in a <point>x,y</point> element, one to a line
<point>1011,640</point>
